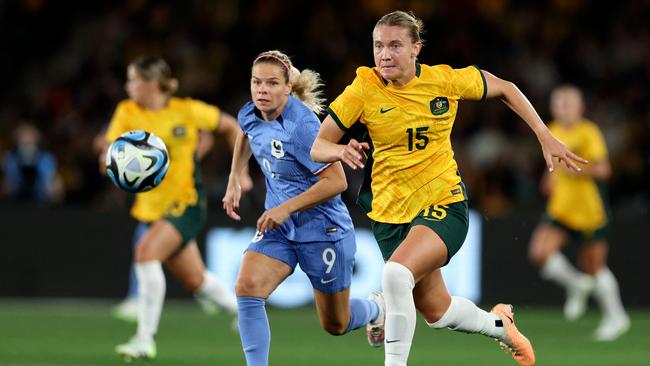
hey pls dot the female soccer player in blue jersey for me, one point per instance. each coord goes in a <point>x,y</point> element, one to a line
<point>305,221</point>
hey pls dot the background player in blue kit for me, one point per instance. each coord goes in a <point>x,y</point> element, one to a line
<point>305,221</point>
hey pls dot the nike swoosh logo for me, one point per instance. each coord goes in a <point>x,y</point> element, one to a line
<point>392,341</point>
<point>386,110</point>
<point>327,281</point>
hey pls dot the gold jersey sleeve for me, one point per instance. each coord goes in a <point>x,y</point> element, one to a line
<point>206,116</point>
<point>178,125</point>
<point>577,201</point>
<point>410,128</point>
<point>464,84</point>
<point>119,122</point>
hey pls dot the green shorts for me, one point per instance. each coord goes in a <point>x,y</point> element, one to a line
<point>190,223</point>
<point>450,222</point>
<point>579,236</point>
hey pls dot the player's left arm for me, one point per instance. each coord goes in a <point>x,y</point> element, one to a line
<point>331,182</point>
<point>511,96</point>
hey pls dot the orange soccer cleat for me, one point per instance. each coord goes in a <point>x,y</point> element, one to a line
<point>514,342</point>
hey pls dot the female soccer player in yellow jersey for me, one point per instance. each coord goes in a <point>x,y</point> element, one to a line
<point>577,211</point>
<point>175,211</point>
<point>416,200</point>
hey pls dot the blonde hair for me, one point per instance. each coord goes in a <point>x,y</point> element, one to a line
<point>155,68</point>
<point>306,84</point>
<point>407,20</point>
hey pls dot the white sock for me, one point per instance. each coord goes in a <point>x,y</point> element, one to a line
<point>215,291</point>
<point>463,316</point>
<point>398,284</point>
<point>607,294</point>
<point>151,281</point>
<point>558,269</point>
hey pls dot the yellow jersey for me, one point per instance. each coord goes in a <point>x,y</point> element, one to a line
<point>575,199</point>
<point>178,125</point>
<point>410,128</point>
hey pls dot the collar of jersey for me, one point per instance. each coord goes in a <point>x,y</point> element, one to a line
<point>258,115</point>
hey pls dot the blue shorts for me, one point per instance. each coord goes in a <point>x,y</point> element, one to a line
<point>328,264</point>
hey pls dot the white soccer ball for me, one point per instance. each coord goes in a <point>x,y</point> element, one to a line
<point>137,161</point>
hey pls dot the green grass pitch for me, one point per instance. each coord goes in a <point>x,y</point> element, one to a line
<point>82,333</point>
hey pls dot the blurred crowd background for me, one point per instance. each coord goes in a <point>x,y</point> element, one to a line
<point>64,67</point>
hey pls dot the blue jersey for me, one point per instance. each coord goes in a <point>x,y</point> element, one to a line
<point>281,148</point>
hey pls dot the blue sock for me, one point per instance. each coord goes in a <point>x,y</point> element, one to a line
<point>254,330</point>
<point>133,284</point>
<point>362,312</point>
<point>138,233</point>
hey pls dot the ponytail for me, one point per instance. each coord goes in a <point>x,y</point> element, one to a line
<point>306,87</point>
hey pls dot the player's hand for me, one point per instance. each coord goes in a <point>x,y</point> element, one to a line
<point>272,218</point>
<point>554,148</point>
<point>231,199</point>
<point>353,154</point>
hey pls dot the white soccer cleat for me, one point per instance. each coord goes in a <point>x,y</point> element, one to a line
<point>375,329</point>
<point>611,328</point>
<point>208,306</point>
<point>137,349</point>
<point>234,323</point>
<point>211,308</point>
<point>577,296</point>
<point>127,310</point>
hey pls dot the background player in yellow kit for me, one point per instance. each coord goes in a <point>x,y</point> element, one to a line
<point>577,210</point>
<point>417,201</point>
<point>175,211</point>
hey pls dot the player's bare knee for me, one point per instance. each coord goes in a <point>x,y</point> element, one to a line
<point>537,256</point>
<point>248,286</point>
<point>432,315</point>
<point>335,328</point>
<point>141,254</point>
<point>591,267</point>
<point>193,282</point>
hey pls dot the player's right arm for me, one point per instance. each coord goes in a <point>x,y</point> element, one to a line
<point>326,148</point>
<point>116,127</point>
<point>342,114</point>
<point>229,127</point>
<point>240,156</point>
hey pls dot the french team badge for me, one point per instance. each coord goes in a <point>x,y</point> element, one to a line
<point>276,149</point>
